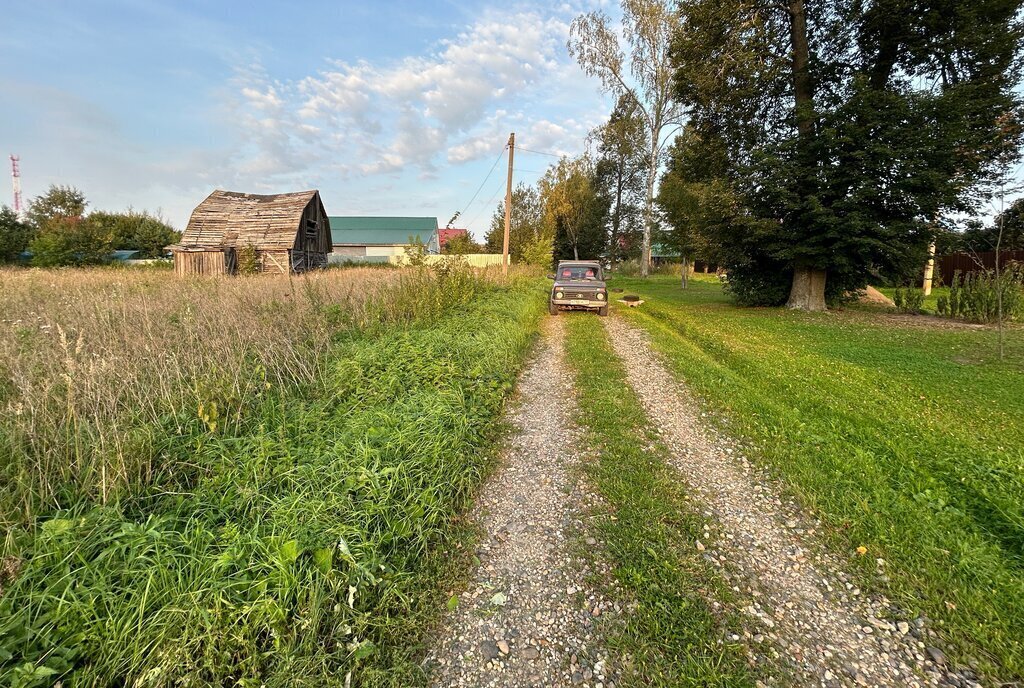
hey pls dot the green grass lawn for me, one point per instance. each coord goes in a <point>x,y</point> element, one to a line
<point>907,439</point>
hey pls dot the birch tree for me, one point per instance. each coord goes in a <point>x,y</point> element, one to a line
<point>644,75</point>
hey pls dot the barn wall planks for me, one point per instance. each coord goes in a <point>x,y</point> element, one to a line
<point>199,263</point>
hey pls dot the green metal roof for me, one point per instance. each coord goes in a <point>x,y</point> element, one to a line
<point>381,230</point>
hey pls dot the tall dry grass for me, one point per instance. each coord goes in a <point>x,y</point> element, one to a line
<point>96,365</point>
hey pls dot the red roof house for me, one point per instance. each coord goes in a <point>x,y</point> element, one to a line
<point>446,234</point>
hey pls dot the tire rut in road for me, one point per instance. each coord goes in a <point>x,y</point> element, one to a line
<point>810,617</point>
<point>527,618</point>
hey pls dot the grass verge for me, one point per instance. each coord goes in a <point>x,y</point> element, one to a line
<point>675,635</point>
<point>304,541</point>
<point>906,439</point>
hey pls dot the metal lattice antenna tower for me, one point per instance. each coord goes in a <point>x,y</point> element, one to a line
<point>16,183</point>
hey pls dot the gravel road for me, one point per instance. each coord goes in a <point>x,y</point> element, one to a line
<point>804,613</point>
<point>527,618</point>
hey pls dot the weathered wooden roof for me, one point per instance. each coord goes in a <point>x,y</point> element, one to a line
<point>229,218</point>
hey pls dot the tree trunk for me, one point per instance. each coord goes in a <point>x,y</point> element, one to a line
<point>685,281</point>
<point>617,214</point>
<point>652,172</point>
<point>575,253</point>
<point>803,89</point>
<point>808,292</point>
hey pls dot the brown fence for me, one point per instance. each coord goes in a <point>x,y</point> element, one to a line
<point>972,262</point>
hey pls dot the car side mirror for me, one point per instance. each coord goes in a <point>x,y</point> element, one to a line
<point>551,277</point>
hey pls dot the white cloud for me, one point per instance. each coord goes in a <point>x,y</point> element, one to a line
<point>455,104</point>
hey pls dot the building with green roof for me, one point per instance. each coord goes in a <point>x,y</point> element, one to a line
<point>377,239</point>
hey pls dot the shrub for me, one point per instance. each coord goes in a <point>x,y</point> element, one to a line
<point>908,300</point>
<point>248,260</point>
<point>540,253</point>
<point>416,252</point>
<point>70,240</point>
<point>975,296</point>
<point>136,231</point>
<point>942,307</point>
<point>758,286</point>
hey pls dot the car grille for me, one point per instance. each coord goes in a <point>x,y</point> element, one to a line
<point>580,294</point>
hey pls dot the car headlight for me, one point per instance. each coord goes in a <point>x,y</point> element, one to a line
<point>600,296</point>
<point>559,295</point>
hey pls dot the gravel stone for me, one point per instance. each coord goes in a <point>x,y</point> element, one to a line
<point>532,510</point>
<point>796,594</point>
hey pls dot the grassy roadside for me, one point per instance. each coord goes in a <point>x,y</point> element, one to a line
<point>672,636</point>
<point>906,439</point>
<point>302,541</point>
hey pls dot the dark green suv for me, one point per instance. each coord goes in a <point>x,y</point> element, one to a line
<point>579,285</point>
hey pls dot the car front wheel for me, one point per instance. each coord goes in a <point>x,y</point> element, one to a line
<point>552,308</point>
<point>603,311</point>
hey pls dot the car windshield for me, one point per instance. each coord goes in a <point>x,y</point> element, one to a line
<point>578,272</point>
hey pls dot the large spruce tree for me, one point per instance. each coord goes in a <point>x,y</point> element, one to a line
<point>850,126</point>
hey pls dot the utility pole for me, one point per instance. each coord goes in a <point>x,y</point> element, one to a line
<point>508,203</point>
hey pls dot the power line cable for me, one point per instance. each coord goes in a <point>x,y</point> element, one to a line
<point>528,150</point>
<point>496,161</point>
<point>487,204</point>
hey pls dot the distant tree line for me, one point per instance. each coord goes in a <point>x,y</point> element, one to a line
<point>56,230</point>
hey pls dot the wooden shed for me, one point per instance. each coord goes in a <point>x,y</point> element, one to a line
<point>287,232</point>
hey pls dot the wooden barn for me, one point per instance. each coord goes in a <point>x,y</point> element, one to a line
<point>287,232</point>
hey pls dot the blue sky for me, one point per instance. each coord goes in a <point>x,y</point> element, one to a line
<point>396,107</point>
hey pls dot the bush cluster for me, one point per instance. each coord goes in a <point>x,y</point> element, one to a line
<point>975,296</point>
<point>908,300</point>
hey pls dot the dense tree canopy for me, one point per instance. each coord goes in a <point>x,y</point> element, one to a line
<point>849,127</point>
<point>135,231</point>
<point>14,235</point>
<point>57,231</point>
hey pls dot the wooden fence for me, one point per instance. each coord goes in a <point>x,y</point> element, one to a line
<point>972,262</point>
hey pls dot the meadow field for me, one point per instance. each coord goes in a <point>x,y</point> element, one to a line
<point>207,481</point>
<point>264,481</point>
<point>904,434</point>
